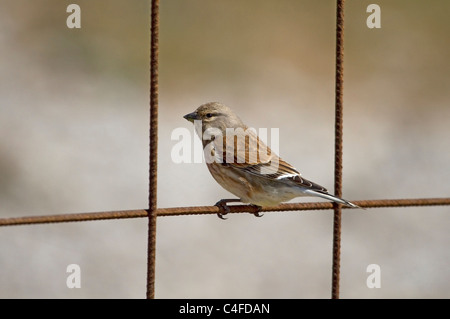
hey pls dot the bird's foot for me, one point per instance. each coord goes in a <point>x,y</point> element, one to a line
<point>224,209</point>
<point>258,212</point>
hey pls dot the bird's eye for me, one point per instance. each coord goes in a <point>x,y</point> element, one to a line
<point>209,115</point>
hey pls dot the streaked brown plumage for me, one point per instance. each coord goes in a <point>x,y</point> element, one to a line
<point>242,164</point>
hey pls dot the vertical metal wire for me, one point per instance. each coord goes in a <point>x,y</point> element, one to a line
<point>154,33</point>
<point>338,147</point>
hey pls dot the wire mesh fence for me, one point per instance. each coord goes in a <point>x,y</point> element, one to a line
<point>153,211</point>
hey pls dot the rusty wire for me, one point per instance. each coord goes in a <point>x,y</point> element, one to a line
<point>213,210</point>
<point>152,197</point>
<point>338,142</point>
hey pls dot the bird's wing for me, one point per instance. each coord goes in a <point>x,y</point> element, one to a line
<point>247,153</point>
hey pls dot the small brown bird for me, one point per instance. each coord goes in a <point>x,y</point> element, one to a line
<point>242,164</point>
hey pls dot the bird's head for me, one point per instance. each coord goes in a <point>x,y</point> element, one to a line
<point>215,115</point>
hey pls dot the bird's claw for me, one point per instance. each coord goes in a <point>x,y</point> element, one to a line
<point>220,215</point>
<point>258,212</point>
<point>223,209</point>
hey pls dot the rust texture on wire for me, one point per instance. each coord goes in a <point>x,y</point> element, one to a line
<point>338,147</point>
<point>152,197</point>
<point>213,210</point>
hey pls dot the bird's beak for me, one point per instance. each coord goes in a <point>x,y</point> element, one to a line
<point>191,117</point>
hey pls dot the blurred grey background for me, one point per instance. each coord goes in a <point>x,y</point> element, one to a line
<point>74,138</point>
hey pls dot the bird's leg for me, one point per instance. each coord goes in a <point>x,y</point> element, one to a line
<point>225,209</point>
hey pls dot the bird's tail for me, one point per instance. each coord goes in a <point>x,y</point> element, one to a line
<point>331,197</point>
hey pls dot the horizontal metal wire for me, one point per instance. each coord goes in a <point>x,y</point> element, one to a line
<point>204,210</point>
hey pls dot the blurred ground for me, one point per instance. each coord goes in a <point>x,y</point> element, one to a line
<point>74,138</point>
